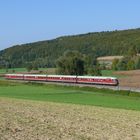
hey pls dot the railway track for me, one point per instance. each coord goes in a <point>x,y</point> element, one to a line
<point>130,89</point>
<point>99,86</point>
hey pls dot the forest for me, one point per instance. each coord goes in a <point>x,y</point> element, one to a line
<point>46,53</point>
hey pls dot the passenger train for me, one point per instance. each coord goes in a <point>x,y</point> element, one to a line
<point>98,80</point>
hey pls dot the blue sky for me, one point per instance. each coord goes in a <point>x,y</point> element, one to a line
<point>23,21</point>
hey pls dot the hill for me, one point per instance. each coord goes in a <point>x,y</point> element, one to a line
<point>45,53</point>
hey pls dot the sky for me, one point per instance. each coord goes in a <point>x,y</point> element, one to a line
<point>25,21</point>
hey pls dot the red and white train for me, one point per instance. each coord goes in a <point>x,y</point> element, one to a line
<point>65,78</point>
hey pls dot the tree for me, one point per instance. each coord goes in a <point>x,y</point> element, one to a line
<point>127,63</point>
<point>115,64</point>
<point>71,63</point>
<point>122,65</point>
<point>137,63</point>
<point>94,70</point>
<point>92,66</point>
<point>130,65</point>
<point>132,51</point>
<point>75,63</point>
<point>29,67</point>
<point>35,66</point>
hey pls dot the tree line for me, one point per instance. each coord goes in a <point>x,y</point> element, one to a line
<point>45,53</point>
<point>130,61</point>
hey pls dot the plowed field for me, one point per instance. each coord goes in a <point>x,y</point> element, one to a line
<point>31,120</point>
<point>131,79</point>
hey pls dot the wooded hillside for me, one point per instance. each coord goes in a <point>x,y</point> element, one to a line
<point>45,53</point>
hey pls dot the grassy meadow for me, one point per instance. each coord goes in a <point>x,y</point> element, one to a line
<point>20,70</point>
<point>49,71</point>
<point>12,70</point>
<point>112,73</point>
<point>73,95</point>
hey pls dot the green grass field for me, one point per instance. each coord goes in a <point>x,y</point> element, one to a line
<point>16,70</point>
<point>110,73</point>
<point>74,95</point>
<point>11,70</point>
<point>107,72</point>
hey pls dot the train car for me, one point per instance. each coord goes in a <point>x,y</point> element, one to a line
<point>14,76</point>
<point>98,80</point>
<point>61,78</point>
<point>35,77</point>
<point>65,78</point>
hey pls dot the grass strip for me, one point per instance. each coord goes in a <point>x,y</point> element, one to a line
<point>71,94</point>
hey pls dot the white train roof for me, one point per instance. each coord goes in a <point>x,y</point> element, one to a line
<point>14,74</point>
<point>97,77</point>
<point>66,76</point>
<point>37,75</point>
<point>70,76</point>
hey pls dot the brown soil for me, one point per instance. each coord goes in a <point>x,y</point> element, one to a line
<point>130,79</point>
<point>30,120</point>
<point>128,73</point>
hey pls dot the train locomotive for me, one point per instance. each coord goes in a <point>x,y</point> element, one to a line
<point>98,80</point>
